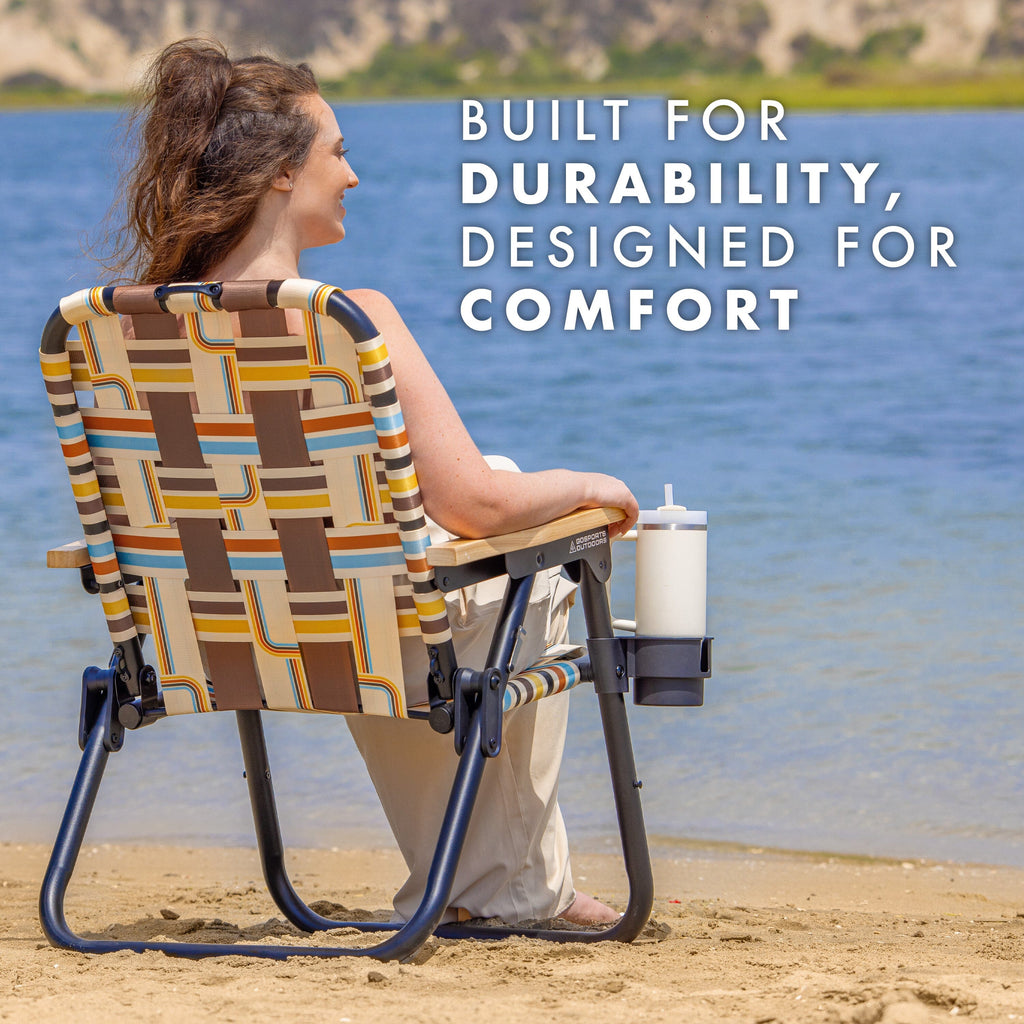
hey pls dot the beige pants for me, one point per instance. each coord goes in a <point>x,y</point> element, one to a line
<point>515,864</point>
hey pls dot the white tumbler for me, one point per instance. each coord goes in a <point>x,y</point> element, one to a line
<point>671,571</point>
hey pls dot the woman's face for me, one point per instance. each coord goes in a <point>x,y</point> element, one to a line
<point>318,186</point>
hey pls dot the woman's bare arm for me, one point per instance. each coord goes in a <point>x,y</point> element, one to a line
<point>460,491</point>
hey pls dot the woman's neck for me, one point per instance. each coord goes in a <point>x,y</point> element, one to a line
<point>263,254</point>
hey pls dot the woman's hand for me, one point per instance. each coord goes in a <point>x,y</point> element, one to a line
<point>608,491</point>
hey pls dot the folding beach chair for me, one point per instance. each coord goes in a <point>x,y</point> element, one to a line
<point>249,502</point>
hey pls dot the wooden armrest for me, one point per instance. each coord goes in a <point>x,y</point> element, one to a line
<point>461,552</point>
<point>68,556</point>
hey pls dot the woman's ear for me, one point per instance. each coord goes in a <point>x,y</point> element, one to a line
<point>285,181</point>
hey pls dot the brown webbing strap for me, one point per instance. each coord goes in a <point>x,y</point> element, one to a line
<point>330,666</point>
<point>233,673</point>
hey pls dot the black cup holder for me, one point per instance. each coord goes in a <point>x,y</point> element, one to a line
<point>666,671</point>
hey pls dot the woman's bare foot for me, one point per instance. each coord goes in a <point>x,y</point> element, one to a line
<point>586,910</point>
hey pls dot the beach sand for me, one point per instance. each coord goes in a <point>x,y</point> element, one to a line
<point>740,935</point>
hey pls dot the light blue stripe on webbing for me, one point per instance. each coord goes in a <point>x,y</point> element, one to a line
<point>393,422</point>
<point>339,562</point>
<point>414,545</point>
<point>150,561</point>
<point>122,442</point>
<point>391,559</point>
<point>71,430</point>
<point>251,563</point>
<point>100,550</point>
<point>342,439</point>
<point>250,448</point>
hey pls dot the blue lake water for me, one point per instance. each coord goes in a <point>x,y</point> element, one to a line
<point>863,474</point>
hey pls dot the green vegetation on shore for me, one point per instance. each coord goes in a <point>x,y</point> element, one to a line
<point>834,89</point>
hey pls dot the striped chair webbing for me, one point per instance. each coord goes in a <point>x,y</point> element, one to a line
<point>248,496</point>
<point>540,681</point>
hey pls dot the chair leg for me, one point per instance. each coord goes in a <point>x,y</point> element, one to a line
<point>403,944</point>
<point>621,763</point>
<point>446,856</point>
<point>68,843</point>
<point>268,832</point>
<point>629,812</point>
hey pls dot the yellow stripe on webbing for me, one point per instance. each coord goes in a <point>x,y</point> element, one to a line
<point>238,625</point>
<point>156,375</point>
<point>209,502</point>
<point>371,356</point>
<point>113,606</point>
<point>87,489</point>
<point>338,626</point>
<point>403,484</point>
<point>296,371</point>
<point>54,365</point>
<point>319,499</point>
<point>428,609</point>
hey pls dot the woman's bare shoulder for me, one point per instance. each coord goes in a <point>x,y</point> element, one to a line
<point>371,300</point>
<point>385,316</point>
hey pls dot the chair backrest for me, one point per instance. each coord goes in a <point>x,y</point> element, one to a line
<point>248,495</point>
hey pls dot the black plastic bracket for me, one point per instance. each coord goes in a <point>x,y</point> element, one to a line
<point>135,677</point>
<point>666,671</point>
<point>485,690</point>
<point>608,661</point>
<point>89,583</point>
<point>441,686</point>
<point>492,697</point>
<point>96,711</point>
<point>211,289</point>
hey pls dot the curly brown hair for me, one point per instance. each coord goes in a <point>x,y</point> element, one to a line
<point>211,136</point>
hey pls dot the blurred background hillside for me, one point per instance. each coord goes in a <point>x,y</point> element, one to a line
<point>410,47</point>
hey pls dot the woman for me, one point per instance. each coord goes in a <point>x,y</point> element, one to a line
<point>240,167</point>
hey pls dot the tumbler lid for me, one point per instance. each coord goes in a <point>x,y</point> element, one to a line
<point>675,517</point>
<point>671,516</point>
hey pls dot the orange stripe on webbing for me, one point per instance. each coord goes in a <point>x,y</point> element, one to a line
<point>77,447</point>
<point>362,417</point>
<point>399,439</point>
<point>126,424</point>
<point>304,698</point>
<point>397,698</point>
<point>360,641</point>
<point>148,540</point>
<point>232,427</point>
<point>374,540</point>
<point>106,566</point>
<point>253,544</point>
<point>318,300</point>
